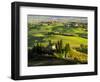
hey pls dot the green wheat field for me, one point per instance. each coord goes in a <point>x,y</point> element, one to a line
<point>57,40</point>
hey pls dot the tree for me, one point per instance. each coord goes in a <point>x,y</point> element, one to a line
<point>59,47</point>
<point>67,49</point>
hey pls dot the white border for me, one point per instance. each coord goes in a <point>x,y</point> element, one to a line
<point>25,70</point>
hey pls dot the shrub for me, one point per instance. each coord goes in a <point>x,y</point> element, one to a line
<point>82,48</point>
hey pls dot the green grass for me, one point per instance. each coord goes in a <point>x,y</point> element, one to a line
<point>38,35</point>
<point>75,30</point>
<point>58,27</point>
<point>41,31</point>
<point>72,40</point>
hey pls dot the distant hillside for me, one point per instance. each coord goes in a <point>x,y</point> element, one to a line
<point>63,19</point>
<point>72,27</point>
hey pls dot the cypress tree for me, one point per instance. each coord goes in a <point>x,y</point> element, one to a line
<point>67,49</point>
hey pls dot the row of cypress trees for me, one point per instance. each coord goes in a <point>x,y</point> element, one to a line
<point>62,50</point>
